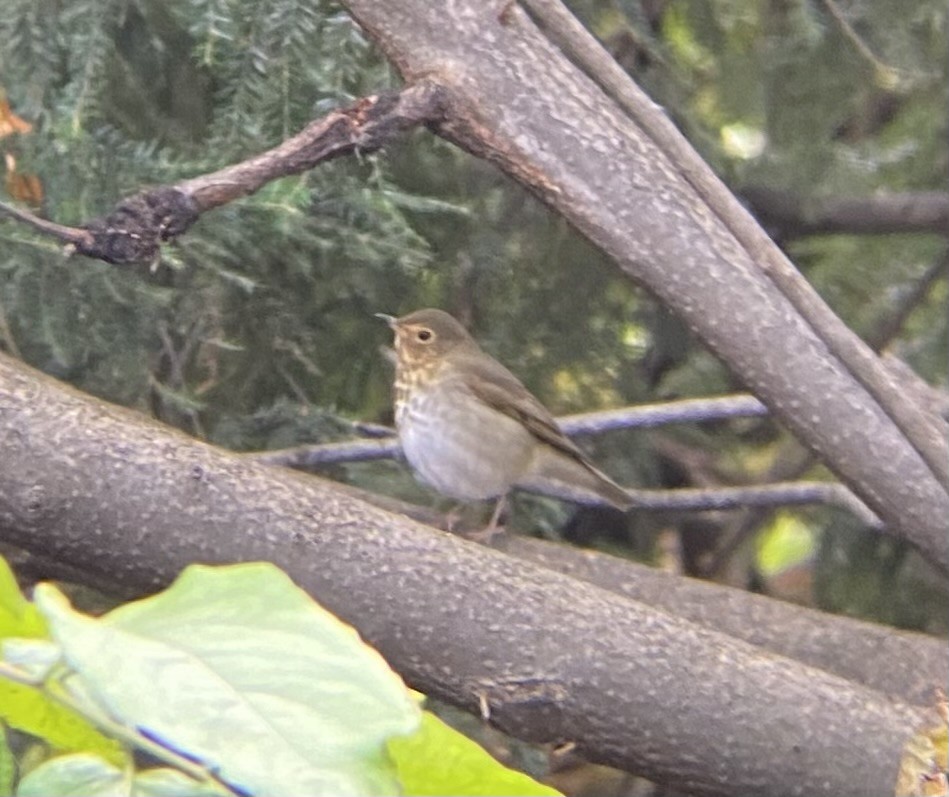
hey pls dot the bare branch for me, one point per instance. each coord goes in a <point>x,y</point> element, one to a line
<point>867,653</point>
<point>139,225</point>
<point>787,215</point>
<point>643,416</point>
<point>687,499</point>
<point>73,236</point>
<point>588,423</point>
<point>310,457</point>
<point>775,494</point>
<point>864,652</point>
<point>884,72</point>
<point>887,331</point>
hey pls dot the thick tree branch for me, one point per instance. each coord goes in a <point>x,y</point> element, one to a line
<point>902,664</point>
<point>139,225</point>
<point>906,665</point>
<point>650,202</point>
<point>553,658</point>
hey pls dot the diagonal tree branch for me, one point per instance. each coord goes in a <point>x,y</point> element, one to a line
<point>913,421</point>
<point>553,658</point>
<point>869,654</point>
<point>620,172</point>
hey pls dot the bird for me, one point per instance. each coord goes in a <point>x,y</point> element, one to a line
<point>470,429</point>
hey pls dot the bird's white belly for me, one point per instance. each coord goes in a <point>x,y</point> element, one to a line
<point>476,459</point>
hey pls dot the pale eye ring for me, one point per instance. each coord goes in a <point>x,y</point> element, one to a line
<point>424,335</point>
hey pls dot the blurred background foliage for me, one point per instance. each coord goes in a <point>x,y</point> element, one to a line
<point>256,329</point>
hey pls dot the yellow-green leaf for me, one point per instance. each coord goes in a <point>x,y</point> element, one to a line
<point>30,710</point>
<point>18,617</point>
<point>436,759</point>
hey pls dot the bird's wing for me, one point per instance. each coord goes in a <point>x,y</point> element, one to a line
<point>497,387</point>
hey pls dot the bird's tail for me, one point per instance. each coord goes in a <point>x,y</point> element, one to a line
<point>555,473</point>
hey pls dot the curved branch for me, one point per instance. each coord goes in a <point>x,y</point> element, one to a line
<point>135,230</point>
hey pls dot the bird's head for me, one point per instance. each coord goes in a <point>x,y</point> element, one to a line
<point>425,336</point>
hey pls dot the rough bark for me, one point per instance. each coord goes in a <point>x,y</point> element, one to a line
<point>906,665</point>
<point>506,82</point>
<point>553,658</point>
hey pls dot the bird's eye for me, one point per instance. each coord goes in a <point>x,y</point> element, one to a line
<point>424,335</point>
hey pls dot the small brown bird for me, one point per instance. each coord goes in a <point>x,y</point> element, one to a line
<point>471,430</point>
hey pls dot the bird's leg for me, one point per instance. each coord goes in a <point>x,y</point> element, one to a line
<point>452,516</point>
<point>499,507</point>
<point>489,532</point>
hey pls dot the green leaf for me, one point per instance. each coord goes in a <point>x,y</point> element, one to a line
<point>239,669</point>
<point>18,617</point>
<point>32,711</point>
<point>7,764</point>
<point>437,759</point>
<point>167,782</point>
<point>75,775</point>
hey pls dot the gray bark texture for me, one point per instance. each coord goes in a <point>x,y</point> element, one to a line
<point>553,658</point>
<point>516,99</point>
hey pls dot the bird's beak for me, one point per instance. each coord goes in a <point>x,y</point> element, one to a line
<point>389,319</point>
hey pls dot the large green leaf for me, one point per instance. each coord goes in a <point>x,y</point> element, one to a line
<point>242,671</point>
<point>437,759</point>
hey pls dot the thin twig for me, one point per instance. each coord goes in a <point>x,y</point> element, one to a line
<point>70,235</point>
<point>775,494</point>
<point>881,69</point>
<point>677,500</point>
<point>689,499</point>
<point>58,692</point>
<point>886,332</point>
<point>588,423</point>
<point>718,408</point>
